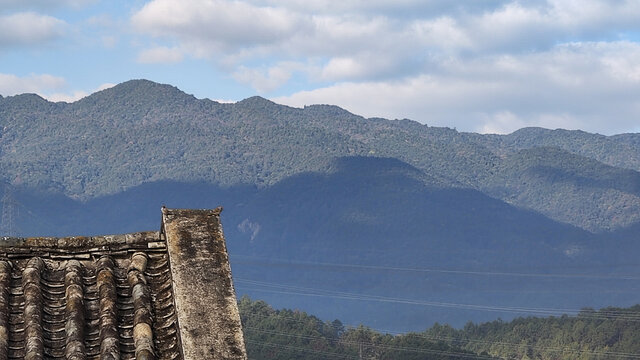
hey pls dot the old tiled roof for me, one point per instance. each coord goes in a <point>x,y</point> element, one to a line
<point>121,297</point>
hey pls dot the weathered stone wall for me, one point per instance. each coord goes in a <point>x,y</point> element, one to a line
<point>205,299</point>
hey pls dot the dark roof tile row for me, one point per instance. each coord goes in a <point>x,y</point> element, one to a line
<point>122,296</point>
<point>98,308</point>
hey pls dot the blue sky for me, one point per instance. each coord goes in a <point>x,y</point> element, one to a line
<point>489,66</point>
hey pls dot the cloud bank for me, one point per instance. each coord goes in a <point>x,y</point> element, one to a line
<point>482,65</point>
<point>52,88</point>
<point>493,66</point>
<point>12,85</point>
<point>28,28</point>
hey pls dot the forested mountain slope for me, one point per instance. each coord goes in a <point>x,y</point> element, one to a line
<point>373,227</point>
<point>619,150</point>
<point>140,131</point>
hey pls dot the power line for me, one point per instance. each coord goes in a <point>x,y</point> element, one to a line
<point>455,340</point>
<point>297,348</point>
<point>313,292</point>
<point>381,346</point>
<point>450,353</point>
<point>441,271</point>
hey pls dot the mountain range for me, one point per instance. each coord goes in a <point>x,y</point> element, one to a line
<point>321,202</point>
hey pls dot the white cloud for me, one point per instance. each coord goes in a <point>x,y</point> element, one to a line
<point>161,54</point>
<point>48,86</point>
<point>11,84</point>
<point>210,25</point>
<point>224,101</point>
<point>75,95</point>
<point>366,40</point>
<point>501,122</point>
<point>408,8</point>
<point>575,86</point>
<point>541,25</point>
<point>69,98</point>
<point>232,33</point>
<point>343,68</point>
<point>27,28</point>
<point>442,33</point>
<point>490,65</point>
<point>268,78</point>
<point>105,86</point>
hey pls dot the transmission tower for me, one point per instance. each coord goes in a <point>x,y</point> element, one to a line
<point>10,208</point>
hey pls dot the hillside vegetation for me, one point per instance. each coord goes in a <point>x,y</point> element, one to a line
<point>139,132</point>
<point>288,334</point>
<point>610,333</point>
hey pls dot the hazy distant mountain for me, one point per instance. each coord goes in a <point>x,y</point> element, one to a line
<point>374,212</point>
<point>619,150</point>
<point>307,188</point>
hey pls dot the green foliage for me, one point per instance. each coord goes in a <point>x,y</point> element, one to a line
<point>610,333</point>
<point>287,334</point>
<point>569,188</point>
<point>140,131</point>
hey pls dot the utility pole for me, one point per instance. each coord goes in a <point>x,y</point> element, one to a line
<point>8,226</point>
